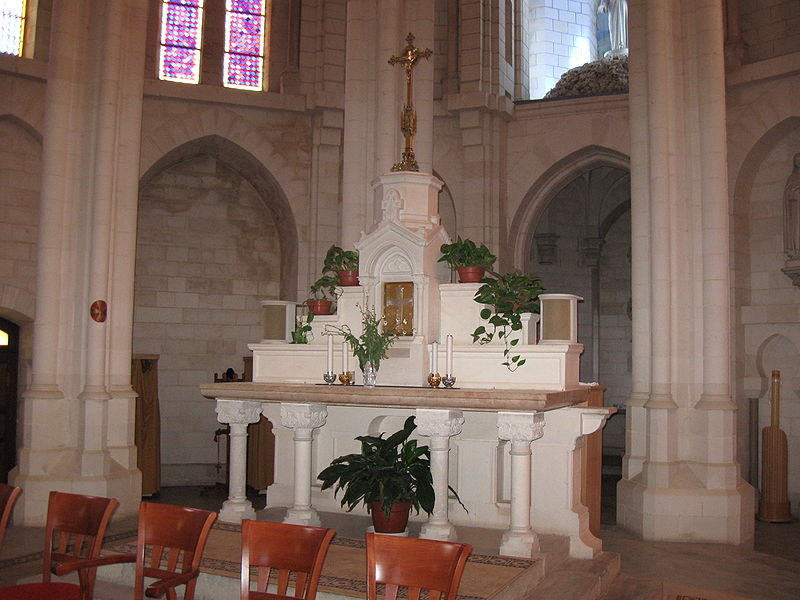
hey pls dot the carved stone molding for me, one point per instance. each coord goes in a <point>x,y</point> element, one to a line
<point>303,416</point>
<point>439,423</point>
<point>236,412</point>
<point>792,271</point>
<point>546,246</point>
<point>520,427</point>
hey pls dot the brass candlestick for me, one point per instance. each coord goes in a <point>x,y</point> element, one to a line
<point>346,378</point>
<point>434,379</point>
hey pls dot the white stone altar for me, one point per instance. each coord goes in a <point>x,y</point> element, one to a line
<point>508,442</point>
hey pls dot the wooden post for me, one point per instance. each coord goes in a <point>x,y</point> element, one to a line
<point>592,463</point>
<point>774,506</point>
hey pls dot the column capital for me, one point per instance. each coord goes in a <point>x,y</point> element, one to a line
<point>303,416</point>
<point>438,423</point>
<point>520,427</point>
<point>238,412</point>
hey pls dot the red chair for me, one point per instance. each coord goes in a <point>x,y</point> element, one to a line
<point>416,565</point>
<point>8,496</point>
<point>74,534</point>
<point>285,549</point>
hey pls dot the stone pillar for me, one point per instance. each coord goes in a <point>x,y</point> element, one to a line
<point>303,419</point>
<point>237,414</point>
<point>520,429</point>
<point>439,426</point>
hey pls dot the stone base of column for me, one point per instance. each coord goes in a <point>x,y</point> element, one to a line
<point>233,511</point>
<point>676,514</point>
<point>302,516</point>
<point>444,532</point>
<point>522,544</point>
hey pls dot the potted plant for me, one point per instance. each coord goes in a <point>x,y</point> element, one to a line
<point>469,259</point>
<point>344,263</point>
<point>509,295</point>
<point>389,476</point>
<point>323,293</point>
<point>301,329</point>
<point>371,346</point>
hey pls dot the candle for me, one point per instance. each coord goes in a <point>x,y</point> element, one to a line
<point>435,357</point>
<point>344,357</point>
<point>330,353</point>
<point>449,356</point>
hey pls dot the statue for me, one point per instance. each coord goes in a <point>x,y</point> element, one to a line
<point>617,25</point>
<point>791,212</point>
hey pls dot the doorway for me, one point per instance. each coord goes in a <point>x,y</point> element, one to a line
<point>9,359</point>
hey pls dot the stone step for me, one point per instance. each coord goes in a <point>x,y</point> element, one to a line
<point>625,587</point>
<point>579,579</point>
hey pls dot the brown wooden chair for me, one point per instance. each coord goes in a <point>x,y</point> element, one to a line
<point>8,496</point>
<point>414,564</point>
<point>74,534</point>
<point>287,550</point>
<point>169,546</point>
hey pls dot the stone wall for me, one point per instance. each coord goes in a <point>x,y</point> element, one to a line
<point>770,28</point>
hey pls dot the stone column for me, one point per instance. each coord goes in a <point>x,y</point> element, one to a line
<point>520,429</point>
<point>439,426</point>
<point>238,414</point>
<point>303,419</point>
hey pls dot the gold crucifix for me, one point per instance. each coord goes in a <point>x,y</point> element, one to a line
<point>408,118</point>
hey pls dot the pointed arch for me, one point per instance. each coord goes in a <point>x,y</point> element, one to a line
<point>548,185</point>
<point>251,169</point>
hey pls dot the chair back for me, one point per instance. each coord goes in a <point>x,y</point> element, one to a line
<point>8,497</point>
<point>416,565</point>
<point>76,525</point>
<point>285,553</point>
<point>170,541</point>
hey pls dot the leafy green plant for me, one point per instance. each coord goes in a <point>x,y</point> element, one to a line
<point>465,253</point>
<point>372,344</point>
<point>387,470</point>
<point>509,295</point>
<point>301,330</point>
<point>324,288</point>
<point>337,259</point>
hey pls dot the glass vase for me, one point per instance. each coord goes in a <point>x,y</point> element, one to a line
<point>370,374</point>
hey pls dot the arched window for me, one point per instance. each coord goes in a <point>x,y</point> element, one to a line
<point>245,40</point>
<point>181,40</point>
<point>12,26</point>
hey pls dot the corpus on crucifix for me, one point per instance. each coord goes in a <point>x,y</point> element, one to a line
<point>408,118</point>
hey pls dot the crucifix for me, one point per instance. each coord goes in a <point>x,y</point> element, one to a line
<point>408,118</point>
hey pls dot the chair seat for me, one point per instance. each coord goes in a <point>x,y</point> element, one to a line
<point>41,591</point>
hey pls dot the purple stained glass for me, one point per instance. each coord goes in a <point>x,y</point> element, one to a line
<point>245,34</point>
<point>243,70</point>
<point>180,64</point>
<point>254,7</point>
<point>182,26</point>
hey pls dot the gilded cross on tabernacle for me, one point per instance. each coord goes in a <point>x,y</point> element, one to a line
<point>408,118</point>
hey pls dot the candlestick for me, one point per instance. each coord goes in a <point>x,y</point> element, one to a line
<point>449,356</point>
<point>435,357</point>
<point>344,357</point>
<point>330,353</point>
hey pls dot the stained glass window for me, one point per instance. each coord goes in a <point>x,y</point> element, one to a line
<point>245,38</point>
<point>181,34</point>
<point>12,24</point>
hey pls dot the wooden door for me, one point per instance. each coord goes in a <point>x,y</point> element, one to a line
<point>9,358</point>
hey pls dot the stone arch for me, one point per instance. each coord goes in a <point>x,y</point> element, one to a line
<point>26,127</point>
<point>448,215</point>
<point>548,185</point>
<point>16,304</point>
<point>251,169</point>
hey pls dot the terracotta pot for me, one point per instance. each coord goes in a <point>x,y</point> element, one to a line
<point>397,521</point>
<point>320,307</point>
<point>470,274</point>
<point>348,278</point>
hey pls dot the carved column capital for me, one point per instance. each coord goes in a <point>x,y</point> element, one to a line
<point>303,416</point>
<point>439,423</point>
<point>238,412</point>
<point>520,427</point>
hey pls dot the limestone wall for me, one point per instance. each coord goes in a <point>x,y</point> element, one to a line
<point>770,28</point>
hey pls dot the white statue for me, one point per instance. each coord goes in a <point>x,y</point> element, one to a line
<point>617,25</point>
<point>791,212</point>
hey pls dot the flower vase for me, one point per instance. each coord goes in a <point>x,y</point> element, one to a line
<point>370,374</point>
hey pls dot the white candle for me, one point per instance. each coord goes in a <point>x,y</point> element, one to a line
<point>344,357</point>
<point>449,356</point>
<point>330,353</point>
<point>435,357</point>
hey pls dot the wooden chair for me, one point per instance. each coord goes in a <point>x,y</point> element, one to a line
<point>169,546</point>
<point>416,565</point>
<point>285,549</point>
<point>8,496</point>
<point>74,534</point>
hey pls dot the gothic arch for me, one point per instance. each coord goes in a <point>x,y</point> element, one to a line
<point>548,185</point>
<point>26,127</point>
<point>250,168</point>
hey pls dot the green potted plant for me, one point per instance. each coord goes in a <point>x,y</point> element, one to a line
<point>389,476</point>
<point>344,263</point>
<point>302,329</point>
<point>509,295</point>
<point>371,346</point>
<point>469,259</point>
<point>323,294</point>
